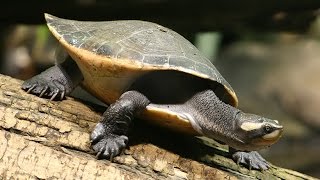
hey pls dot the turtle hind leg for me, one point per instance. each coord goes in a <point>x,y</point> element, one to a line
<point>251,159</point>
<point>55,82</point>
<point>109,137</point>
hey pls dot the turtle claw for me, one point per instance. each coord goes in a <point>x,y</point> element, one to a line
<point>54,95</point>
<point>63,93</point>
<point>253,160</point>
<point>30,89</point>
<point>54,83</point>
<point>107,145</point>
<point>43,88</point>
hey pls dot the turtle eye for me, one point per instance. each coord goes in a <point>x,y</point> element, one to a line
<point>267,128</point>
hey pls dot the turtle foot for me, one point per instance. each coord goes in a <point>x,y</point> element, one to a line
<point>51,83</point>
<point>107,145</point>
<point>43,88</point>
<point>251,160</point>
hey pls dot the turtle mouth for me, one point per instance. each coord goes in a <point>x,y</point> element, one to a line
<point>274,136</point>
<point>270,138</point>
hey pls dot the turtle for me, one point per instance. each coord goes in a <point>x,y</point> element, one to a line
<point>143,70</point>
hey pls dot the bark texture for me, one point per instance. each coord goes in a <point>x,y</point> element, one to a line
<point>42,139</point>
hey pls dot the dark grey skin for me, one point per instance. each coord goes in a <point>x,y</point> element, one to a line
<point>56,82</point>
<point>215,119</point>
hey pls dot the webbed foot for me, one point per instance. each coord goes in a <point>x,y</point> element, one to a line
<point>251,160</point>
<point>56,82</point>
<point>107,145</point>
<point>43,86</point>
<point>109,137</point>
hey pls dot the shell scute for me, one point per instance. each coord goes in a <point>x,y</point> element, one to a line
<point>139,44</point>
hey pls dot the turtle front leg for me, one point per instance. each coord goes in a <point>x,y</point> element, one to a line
<point>55,82</point>
<point>109,137</point>
<point>251,159</point>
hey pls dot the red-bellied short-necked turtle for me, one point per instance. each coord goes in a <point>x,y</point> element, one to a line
<point>146,70</point>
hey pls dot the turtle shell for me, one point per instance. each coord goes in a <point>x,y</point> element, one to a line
<point>123,50</point>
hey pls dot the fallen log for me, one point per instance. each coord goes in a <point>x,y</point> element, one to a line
<point>42,139</point>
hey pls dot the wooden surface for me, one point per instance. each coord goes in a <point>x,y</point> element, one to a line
<point>41,139</point>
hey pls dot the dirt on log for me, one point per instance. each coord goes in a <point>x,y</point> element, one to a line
<point>42,139</point>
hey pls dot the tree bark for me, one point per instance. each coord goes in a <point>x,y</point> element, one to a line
<point>42,139</point>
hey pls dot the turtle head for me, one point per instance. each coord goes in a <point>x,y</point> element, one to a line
<point>256,132</point>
